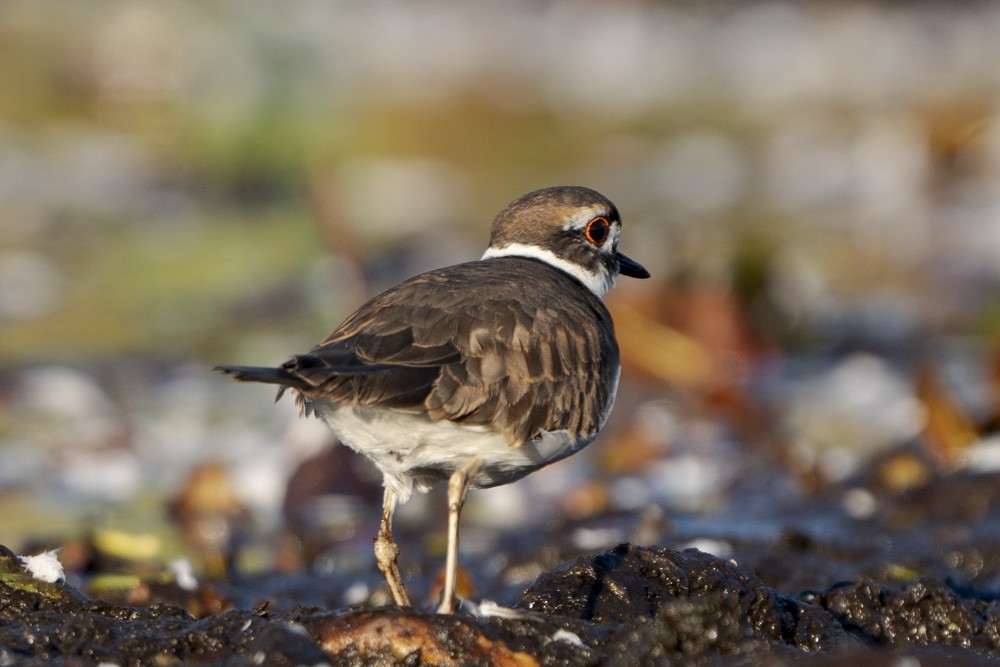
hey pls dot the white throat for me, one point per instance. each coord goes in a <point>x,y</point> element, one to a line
<point>598,282</point>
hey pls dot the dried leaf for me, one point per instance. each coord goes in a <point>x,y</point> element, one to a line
<point>948,429</point>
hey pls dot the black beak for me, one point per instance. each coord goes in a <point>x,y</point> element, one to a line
<point>631,268</point>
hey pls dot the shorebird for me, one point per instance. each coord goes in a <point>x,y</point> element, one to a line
<point>478,373</point>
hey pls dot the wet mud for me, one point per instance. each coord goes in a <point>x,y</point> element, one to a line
<point>918,579</point>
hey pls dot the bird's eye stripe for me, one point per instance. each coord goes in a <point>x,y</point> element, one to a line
<point>597,230</point>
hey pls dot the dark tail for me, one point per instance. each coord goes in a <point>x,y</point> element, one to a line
<point>263,374</point>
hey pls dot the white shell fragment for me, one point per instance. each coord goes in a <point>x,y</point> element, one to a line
<point>561,635</point>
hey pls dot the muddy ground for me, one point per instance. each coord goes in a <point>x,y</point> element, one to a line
<point>917,577</point>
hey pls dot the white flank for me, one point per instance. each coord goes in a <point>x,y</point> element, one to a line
<point>440,445</point>
<point>598,282</point>
<point>44,567</point>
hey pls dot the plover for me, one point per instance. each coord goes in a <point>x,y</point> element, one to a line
<point>478,373</point>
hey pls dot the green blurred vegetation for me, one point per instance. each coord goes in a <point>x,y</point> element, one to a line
<point>162,290</point>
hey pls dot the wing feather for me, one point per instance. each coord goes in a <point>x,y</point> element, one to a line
<point>520,365</point>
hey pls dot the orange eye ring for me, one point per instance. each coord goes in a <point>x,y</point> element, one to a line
<point>597,230</point>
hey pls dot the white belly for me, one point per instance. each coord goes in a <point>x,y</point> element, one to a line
<point>414,452</point>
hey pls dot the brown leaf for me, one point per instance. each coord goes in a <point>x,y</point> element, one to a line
<point>948,429</point>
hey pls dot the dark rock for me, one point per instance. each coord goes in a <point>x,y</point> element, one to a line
<point>283,643</point>
<point>627,606</point>
<point>923,612</point>
<point>693,603</point>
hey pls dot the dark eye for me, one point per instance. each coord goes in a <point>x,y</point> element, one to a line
<point>597,230</point>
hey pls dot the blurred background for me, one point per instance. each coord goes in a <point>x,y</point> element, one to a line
<point>815,188</point>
